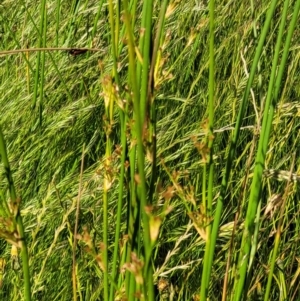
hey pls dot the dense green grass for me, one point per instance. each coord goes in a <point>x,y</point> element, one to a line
<point>165,99</point>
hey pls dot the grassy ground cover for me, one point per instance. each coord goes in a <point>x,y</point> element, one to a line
<point>149,150</point>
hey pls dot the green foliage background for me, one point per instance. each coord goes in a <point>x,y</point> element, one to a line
<point>45,138</point>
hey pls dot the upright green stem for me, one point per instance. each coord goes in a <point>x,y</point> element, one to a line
<point>148,274</point>
<point>114,28</point>
<point>18,218</point>
<point>96,19</point>
<point>209,142</point>
<point>38,58</point>
<point>74,274</point>
<point>145,44</point>
<point>107,181</point>
<point>151,98</point>
<point>277,237</point>
<point>220,202</point>
<point>261,154</point>
<point>278,85</point>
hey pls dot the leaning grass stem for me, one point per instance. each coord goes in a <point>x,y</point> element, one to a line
<point>48,49</point>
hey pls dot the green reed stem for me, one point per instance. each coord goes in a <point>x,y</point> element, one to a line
<point>114,30</point>
<point>260,159</point>
<point>233,143</point>
<point>209,143</point>
<point>145,46</point>
<point>138,125</point>
<point>15,201</point>
<point>151,98</point>
<point>38,58</point>
<point>278,85</point>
